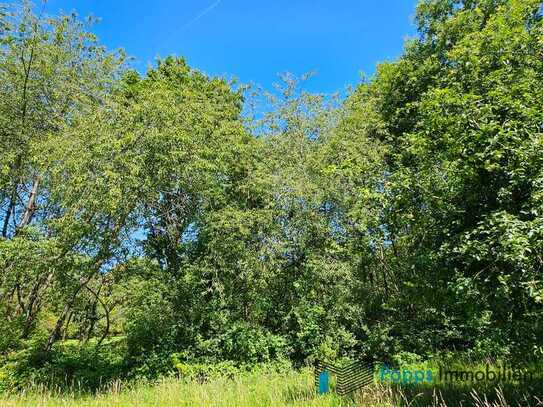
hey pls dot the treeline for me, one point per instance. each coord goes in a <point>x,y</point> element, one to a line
<point>156,213</point>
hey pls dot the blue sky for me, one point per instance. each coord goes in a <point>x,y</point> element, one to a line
<point>256,40</point>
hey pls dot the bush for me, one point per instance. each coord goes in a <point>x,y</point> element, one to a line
<point>71,365</point>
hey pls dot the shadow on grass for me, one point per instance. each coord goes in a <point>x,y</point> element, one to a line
<point>439,395</point>
<point>480,395</point>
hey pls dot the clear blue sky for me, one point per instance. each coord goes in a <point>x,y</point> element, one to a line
<point>254,40</point>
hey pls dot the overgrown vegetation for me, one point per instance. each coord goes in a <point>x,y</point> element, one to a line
<point>272,388</point>
<point>150,225</point>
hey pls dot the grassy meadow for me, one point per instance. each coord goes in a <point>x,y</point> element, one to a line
<point>279,389</point>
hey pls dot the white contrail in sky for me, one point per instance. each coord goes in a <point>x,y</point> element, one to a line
<point>201,14</point>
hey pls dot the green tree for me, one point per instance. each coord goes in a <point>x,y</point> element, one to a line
<point>51,72</point>
<point>461,114</point>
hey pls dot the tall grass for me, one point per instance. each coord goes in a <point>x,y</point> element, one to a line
<point>247,390</point>
<point>281,389</point>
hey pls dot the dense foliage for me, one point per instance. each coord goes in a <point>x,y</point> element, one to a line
<point>149,222</point>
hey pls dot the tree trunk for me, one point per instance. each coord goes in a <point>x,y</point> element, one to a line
<point>55,334</point>
<point>31,204</point>
<point>33,303</point>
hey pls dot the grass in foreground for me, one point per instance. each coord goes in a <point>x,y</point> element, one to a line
<point>292,389</point>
